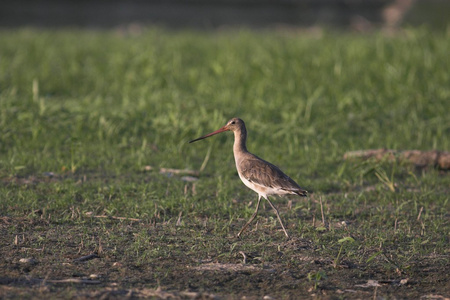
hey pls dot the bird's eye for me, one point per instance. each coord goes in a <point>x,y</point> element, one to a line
<point>233,122</point>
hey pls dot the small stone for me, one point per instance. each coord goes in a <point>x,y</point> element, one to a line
<point>29,261</point>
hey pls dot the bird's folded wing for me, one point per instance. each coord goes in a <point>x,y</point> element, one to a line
<point>266,174</point>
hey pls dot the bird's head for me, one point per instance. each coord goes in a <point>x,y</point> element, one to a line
<point>234,124</point>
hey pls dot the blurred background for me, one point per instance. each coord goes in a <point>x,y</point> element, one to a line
<point>358,15</point>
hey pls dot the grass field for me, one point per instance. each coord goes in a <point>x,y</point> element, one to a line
<point>88,118</point>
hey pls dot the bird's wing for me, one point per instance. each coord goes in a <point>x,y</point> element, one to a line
<point>266,174</point>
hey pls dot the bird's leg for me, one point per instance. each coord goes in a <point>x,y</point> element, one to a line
<point>279,219</point>
<point>252,218</point>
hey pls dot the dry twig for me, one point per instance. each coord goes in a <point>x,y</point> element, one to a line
<point>324,222</point>
<point>435,158</point>
<point>244,261</point>
<point>86,257</point>
<point>178,171</point>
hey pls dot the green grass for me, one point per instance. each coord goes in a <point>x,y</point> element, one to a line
<point>82,113</point>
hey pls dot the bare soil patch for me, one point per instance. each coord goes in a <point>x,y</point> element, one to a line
<point>122,258</point>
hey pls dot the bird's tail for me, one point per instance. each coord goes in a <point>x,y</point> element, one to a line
<point>301,193</point>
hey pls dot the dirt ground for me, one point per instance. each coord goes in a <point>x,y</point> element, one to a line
<point>115,259</point>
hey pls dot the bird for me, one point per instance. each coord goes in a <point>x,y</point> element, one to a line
<point>257,174</point>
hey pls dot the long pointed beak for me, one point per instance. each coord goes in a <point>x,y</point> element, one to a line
<point>224,128</point>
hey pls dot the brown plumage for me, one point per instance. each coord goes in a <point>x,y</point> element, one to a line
<point>257,174</point>
<point>261,172</point>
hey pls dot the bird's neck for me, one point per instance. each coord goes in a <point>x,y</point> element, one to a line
<point>240,139</point>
